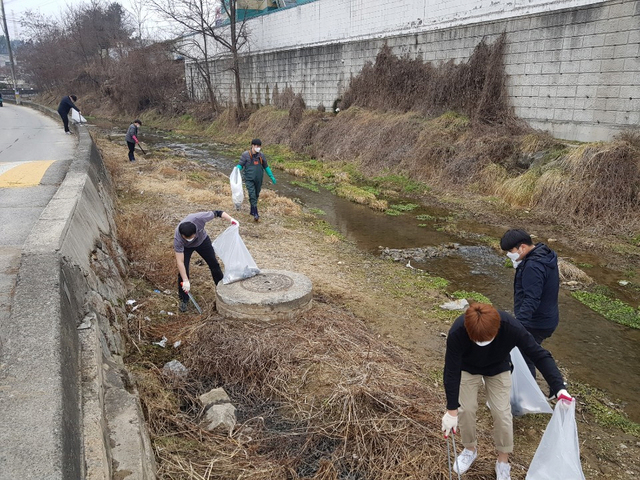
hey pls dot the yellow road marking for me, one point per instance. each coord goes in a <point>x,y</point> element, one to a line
<point>27,174</point>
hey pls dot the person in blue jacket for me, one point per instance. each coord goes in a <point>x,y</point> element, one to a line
<point>66,104</point>
<point>535,286</point>
<point>252,164</point>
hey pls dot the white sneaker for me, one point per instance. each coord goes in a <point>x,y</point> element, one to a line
<point>464,461</point>
<point>503,471</point>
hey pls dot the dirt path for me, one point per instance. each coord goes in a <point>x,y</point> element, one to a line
<point>399,304</point>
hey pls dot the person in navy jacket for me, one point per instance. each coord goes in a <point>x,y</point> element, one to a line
<point>535,286</point>
<point>66,104</point>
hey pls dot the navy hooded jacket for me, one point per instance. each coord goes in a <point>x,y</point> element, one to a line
<point>535,289</point>
<point>66,104</point>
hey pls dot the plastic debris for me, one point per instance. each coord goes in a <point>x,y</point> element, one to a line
<point>86,321</point>
<point>131,302</point>
<point>461,304</point>
<point>174,367</point>
<point>170,313</point>
<point>135,307</point>
<point>162,343</point>
<point>163,312</point>
<point>157,291</point>
<point>624,283</point>
<point>168,292</point>
<point>177,343</point>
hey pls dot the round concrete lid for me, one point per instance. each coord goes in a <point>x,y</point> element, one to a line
<point>271,295</point>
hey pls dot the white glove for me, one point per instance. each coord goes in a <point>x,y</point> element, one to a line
<point>234,221</point>
<point>186,286</point>
<point>449,423</point>
<point>564,395</point>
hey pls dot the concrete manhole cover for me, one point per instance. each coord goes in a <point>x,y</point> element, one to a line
<point>267,282</point>
<point>271,295</point>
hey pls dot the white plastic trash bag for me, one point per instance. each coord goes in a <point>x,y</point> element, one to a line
<point>76,117</point>
<point>526,396</point>
<point>238,263</point>
<point>237,195</point>
<point>558,455</point>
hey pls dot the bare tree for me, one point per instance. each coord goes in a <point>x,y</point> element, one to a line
<point>201,21</point>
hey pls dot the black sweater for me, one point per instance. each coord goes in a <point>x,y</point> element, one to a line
<point>493,359</point>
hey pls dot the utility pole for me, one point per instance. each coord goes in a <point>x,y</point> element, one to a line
<point>13,66</point>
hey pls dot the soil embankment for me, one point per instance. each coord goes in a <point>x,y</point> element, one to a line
<point>353,386</point>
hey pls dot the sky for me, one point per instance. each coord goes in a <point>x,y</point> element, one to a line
<point>15,9</point>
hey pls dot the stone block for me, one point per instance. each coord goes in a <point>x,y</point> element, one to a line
<point>622,9</point>
<point>212,397</point>
<point>221,416</point>
<point>612,65</point>
<point>618,38</point>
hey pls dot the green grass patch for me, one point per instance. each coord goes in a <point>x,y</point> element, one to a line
<point>327,229</point>
<point>585,265</point>
<point>596,403</point>
<point>317,211</point>
<point>393,213</point>
<point>313,186</point>
<point>610,308</point>
<point>400,183</point>
<point>414,284</point>
<point>405,207</point>
<point>478,297</point>
<point>425,217</point>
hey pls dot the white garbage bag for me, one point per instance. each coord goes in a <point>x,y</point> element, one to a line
<point>238,262</point>
<point>558,455</point>
<point>237,195</point>
<point>76,117</point>
<point>526,396</point>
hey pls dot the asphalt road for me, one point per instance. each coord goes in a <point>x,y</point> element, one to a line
<point>34,157</point>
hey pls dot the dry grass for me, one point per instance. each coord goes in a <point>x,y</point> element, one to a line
<point>596,183</point>
<point>569,272</point>
<point>321,397</point>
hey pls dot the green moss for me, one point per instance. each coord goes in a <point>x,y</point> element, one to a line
<point>585,265</point>
<point>326,229</point>
<point>478,297</point>
<point>313,186</point>
<point>317,211</point>
<point>406,207</point>
<point>610,308</point>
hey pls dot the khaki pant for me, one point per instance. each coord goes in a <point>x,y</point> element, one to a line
<point>498,390</point>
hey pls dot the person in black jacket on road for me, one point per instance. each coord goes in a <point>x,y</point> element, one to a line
<point>535,286</point>
<point>478,347</point>
<point>66,104</point>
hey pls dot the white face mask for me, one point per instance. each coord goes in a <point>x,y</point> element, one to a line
<point>257,149</point>
<point>484,344</point>
<point>190,239</point>
<point>514,259</point>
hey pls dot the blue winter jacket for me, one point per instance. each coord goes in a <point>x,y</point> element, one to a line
<point>535,289</point>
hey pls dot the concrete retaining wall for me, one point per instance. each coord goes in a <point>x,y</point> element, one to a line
<point>69,415</point>
<point>572,71</point>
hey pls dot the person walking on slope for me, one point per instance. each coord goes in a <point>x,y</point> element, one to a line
<point>535,286</point>
<point>66,104</point>
<point>190,236</point>
<point>252,163</point>
<point>132,138</point>
<point>478,347</point>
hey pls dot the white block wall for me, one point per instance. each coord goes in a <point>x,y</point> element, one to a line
<point>573,71</point>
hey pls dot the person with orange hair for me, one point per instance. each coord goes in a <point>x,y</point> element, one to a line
<point>478,347</point>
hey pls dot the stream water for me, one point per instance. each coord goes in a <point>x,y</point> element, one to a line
<point>596,351</point>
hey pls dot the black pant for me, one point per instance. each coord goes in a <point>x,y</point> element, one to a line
<point>205,250</point>
<point>65,121</point>
<point>132,147</point>
<point>539,335</point>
